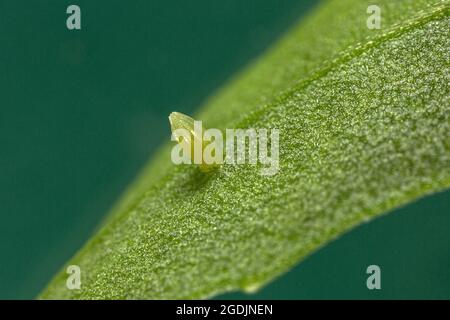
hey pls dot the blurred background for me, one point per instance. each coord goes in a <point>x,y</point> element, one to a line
<point>81,111</point>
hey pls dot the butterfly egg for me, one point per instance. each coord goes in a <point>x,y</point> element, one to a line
<point>180,125</point>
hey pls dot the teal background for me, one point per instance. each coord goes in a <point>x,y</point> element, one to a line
<point>82,111</point>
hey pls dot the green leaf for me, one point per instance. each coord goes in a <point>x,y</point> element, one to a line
<point>364,120</point>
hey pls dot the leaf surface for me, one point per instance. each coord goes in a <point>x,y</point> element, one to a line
<point>364,120</point>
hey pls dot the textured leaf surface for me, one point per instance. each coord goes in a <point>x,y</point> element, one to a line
<point>364,120</point>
